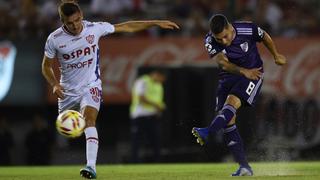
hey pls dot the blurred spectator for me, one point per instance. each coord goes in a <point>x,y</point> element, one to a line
<point>27,19</point>
<point>268,14</point>
<point>291,19</point>
<point>6,142</point>
<point>69,0</point>
<point>296,21</point>
<point>30,19</point>
<point>110,8</point>
<point>246,15</point>
<point>8,23</point>
<point>195,24</point>
<point>48,17</point>
<point>145,110</point>
<point>39,142</point>
<point>216,7</point>
<point>181,9</point>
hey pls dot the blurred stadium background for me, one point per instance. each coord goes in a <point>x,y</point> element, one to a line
<point>284,126</point>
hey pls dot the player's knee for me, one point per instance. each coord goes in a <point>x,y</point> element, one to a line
<point>90,120</point>
<point>90,115</point>
<point>233,101</point>
<point>232,121</point>
<point>228,112</point>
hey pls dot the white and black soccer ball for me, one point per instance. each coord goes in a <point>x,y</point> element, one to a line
<point>70,123</point>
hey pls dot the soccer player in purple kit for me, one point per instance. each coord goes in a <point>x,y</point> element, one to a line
<point>233,47</point>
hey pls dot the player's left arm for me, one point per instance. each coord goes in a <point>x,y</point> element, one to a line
<point>134,26</point>
<point>48,73</point>
<point>269,44</point>
<point>223,63</point>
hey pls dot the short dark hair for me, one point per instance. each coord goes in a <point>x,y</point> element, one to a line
<point>68,9</point>
<point>152,69</point>
<point>218,23</point>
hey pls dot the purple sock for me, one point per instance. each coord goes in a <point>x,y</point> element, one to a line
<point>234,142</point>
<point>222,119</point>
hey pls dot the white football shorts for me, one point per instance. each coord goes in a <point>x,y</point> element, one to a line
<point>88,96</point>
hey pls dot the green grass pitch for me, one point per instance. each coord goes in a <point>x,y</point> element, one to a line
<point>196,171</point>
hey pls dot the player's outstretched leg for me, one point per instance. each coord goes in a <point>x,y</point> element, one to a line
<point>88,173</point>
<point>201,134</point>
<point>219,122</point>
<point>223,118</point>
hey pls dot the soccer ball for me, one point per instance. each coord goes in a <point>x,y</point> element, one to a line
<point>70,123</point>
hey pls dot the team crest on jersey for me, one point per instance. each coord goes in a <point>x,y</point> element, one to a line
<point>90,39</point>
<point>260,32</point>
<point>244,46</point>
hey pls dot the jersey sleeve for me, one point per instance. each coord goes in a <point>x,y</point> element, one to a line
<point>49,49</point>
<point>105,28</point>
<point>211,47</point>
<point>257,33</point>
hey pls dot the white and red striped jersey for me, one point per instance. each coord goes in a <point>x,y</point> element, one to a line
<point>78,55</point>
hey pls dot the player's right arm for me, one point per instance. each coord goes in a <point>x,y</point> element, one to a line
<point>223,62</point>
<point>47,72</point>
<point>134,26</point>
<point>279,59</point>
<point>144,100</point>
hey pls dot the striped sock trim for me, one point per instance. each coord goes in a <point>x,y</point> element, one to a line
<point>221,116</point>
<point>93,140</point>
<point>230,108</point>
<point>229,129</point>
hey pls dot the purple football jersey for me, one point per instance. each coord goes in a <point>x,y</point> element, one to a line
<point>243,50</point>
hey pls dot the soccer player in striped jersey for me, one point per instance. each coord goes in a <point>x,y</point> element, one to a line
<point>75,45</point>
<point>233,47</point>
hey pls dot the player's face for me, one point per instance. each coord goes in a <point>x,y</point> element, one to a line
<point>73,23</point>
<point>226,36</point>
<point>159,77</point>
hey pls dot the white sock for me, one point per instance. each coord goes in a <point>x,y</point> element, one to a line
<point>92,146</point>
